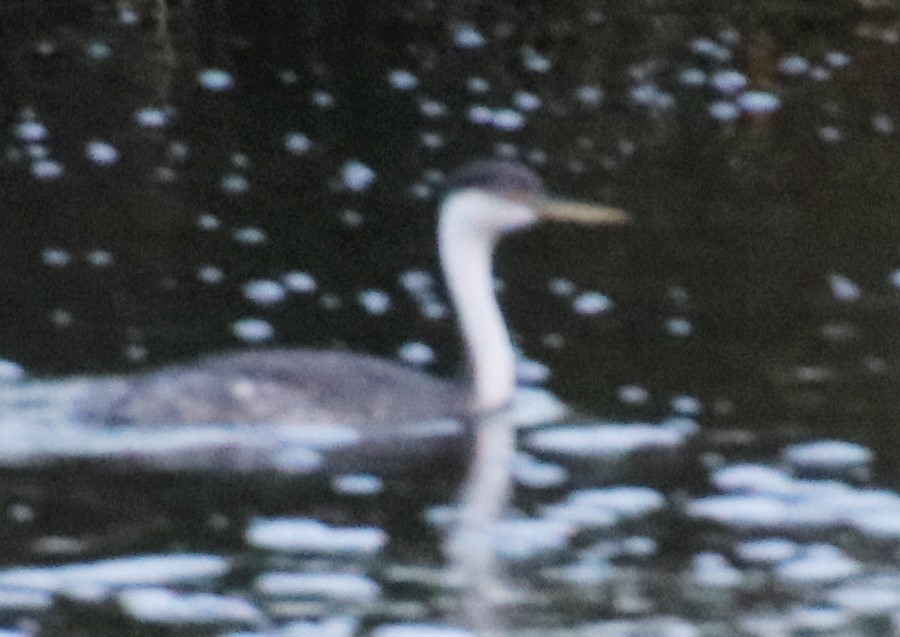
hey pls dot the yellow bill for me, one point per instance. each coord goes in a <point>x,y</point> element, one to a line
<point>578,212</point>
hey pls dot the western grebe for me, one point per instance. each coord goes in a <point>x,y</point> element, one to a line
<point>484,200</point>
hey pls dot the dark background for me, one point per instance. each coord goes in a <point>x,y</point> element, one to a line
<point>741,224</point>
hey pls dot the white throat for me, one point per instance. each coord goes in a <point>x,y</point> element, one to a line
<point>470,224</point>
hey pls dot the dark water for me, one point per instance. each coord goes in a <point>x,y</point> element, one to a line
<point>158,159</point>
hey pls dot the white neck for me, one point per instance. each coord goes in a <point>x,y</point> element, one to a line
<point>466,245</point>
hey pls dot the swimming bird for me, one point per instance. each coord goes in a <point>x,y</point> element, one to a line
<point>484,200</point>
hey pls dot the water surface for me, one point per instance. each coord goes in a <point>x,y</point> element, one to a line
<point>179,178</point>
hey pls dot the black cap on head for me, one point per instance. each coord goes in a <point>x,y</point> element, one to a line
<point>499,176</point>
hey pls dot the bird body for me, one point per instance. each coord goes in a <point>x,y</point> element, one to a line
<point>276,386</point>
<point>484,201</point>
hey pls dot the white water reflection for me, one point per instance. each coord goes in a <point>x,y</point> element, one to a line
<point>104,576</point>
<point>591,547</point>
